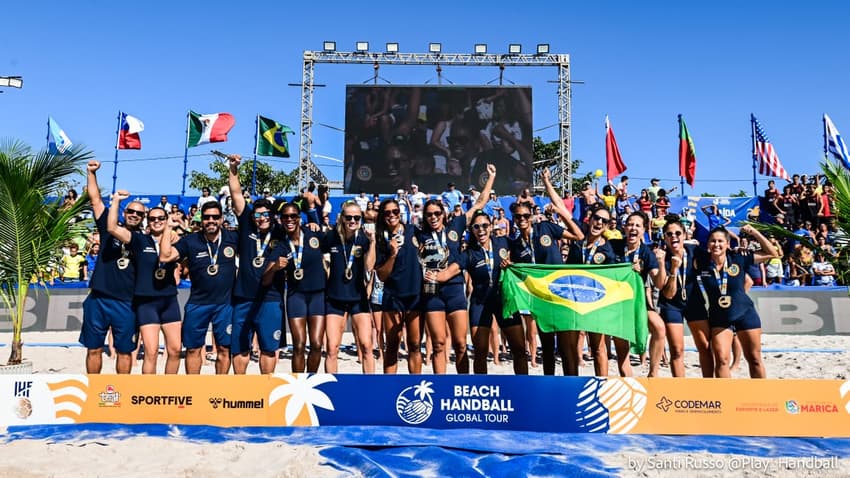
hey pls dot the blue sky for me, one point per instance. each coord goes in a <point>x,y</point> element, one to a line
<point>642,63</point>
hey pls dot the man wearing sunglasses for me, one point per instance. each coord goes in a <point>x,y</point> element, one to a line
<point>109,306</point>
<point>211,257</point>
<point>256,308</point>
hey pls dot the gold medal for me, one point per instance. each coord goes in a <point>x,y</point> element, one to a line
<point>159,274</point>
<point>258,262</point>
<point>298,274</point>
<point>212,269</point>
<point>725,301</point>
<point>348,274</point>
<point>123,263</point>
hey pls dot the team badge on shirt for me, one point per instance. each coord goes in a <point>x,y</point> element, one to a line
<point>453,236</point>
<point>414,241</point>
<point>598,258</point>
<point>314,242</point>
<point>357,250</point>
<point>503,253</point>
<point>545,240</point>
<point>734,270</point>
<point>228,252</point>
<point>272,243</point>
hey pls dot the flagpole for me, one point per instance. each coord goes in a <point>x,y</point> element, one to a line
<point>256,144</point>
<point>753,135</point>
<point>185,162</point>
<point>115,162</point>
<point>681,178</point>
<point>825,140</point>
<point>48,133</point>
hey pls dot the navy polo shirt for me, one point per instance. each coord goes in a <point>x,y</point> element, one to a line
<point>687,273</point>
<point>475,263</point>
<point>645,257</point>
<point>195,249</point>
<point>736,266</point>
<point>579,252</point>
<point>339,288</point>
<point>405,279</point>
<point>146,258</point>
<point>249,278</point>
<point>439,249</point>
<point>545,245</point>
<point>312,263</point>
<point>108,279</point>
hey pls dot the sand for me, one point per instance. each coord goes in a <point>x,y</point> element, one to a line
<point>785,356</point>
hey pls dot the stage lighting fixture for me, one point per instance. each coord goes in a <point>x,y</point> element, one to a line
<point>480,49</point>
<point>435,47</point>
<point>514,48</point>
<point>362,46</point>
<point>329,46</point>
<point>12,81</point>
<point>542,48</point>
<point>392,47</point>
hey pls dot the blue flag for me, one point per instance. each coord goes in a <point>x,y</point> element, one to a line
<point>835,143</point>
<point>57,141</point>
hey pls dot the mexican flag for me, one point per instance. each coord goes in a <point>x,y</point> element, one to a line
<point>606,299</point>
<point>271,138</point>
<point>687,154</point>
<point>212,128</point>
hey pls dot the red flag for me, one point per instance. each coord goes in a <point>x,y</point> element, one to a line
<point>613,160</point>
<point>128,135</point>
<point>687,154</point>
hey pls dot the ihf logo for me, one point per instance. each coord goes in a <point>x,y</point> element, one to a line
<point>22,406</point>
<point>415,404</point>
<point>22,389</point>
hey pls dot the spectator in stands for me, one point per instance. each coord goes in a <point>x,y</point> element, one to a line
<point>825,247</point>
<point>645,203</point>
<point>609,198</point>
<point>589,198</point>
<point>715,219</point>
<point>451,196</point>
<point>772,192</point>
<point>811,205</point>
<point>796,186</point>
<point>362,200</point>
<point>823,272</point>
<point>622,187</point>
<point>773,268</point>
<point>205,197</point>
<point>73,265</point>
<point>799,267</point>
<point>91,259</point>
<point>662,203</point>
<point>417,196</point>
<point>502,227</point>
<point>525,199</point>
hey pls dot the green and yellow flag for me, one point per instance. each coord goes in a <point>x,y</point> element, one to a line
<point>606,299</point>
<point>271,138</point>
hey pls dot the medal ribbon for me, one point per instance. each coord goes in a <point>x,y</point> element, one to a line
<point>725,278</point>
<point>440,241</point>
<point>488,261</point>
<point>588,256</point>
<point>214,257</point>
<point>261,247</point>
<point>530,244</point>
<point>350,262</point>
<point>299,250</point>
<point>681,280</point>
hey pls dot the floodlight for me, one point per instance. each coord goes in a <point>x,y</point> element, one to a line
<point>514,48</point>
<point>362,46</point>
<point>480,48</point>
<point>329,46</point>
<point>542,48</point>
<point>435,47</point>
<point>12,81</point>
<point>392,47</point>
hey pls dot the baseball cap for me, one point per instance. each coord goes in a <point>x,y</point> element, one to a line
<point>654,180</point>
<point>412,186</point>
<point>451,185</point>
<point>267,191</point>
<point>400,191</point>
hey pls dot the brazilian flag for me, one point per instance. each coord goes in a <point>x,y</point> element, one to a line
<point>606,299</point>
<point>271,138</point>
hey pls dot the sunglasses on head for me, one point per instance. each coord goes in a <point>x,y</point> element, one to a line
<point>134,212</point>
<point>392,212</point>
<point>351,218</point>
<point>258,215</point>
<point>525,216</point>
<point>210,217</point>
<point>433,213</point>
<point>598,218</point>
<point>481,226</point>
<point>156,218</point>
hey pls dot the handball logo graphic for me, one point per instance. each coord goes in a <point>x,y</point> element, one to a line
<point>611,405</point>
<point>845,395</point>
<point>414,404</point>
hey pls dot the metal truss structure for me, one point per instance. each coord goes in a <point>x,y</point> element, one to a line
<point>561,167</point>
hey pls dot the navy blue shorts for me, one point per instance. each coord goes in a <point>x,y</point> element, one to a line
<point>156,310</point>
<point>376,307</point>
<point>481,314</point>
<point>449,298</point>
<point>392,303</point>
<point>749,321</point>
<point>262,318</point>
<point>300,305</point>
<point>671,314</point>
<point>340,307</point>
<point>196,321</point>
<point>99,314</point>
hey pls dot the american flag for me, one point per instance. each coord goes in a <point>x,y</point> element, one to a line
<point>769,164</point>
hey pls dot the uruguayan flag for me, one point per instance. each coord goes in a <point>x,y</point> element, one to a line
<point>57,141</point>
<point>835,143</point>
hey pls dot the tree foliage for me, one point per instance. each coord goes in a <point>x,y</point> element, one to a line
<point>33,227</point>
<point>546,155</point>
<point>740,194</point>
<point>278,182</point>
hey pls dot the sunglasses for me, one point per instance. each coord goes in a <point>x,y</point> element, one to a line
<point>352,218</point>
<point>598,218</point>
<point>433,213</point>
<point>290,217</point>
<point>481,226</point>
<point>460,140</point>
<point>673,233</point>
<point>156,218</point>
<point>258,215</point>
<point>211,217</point>
<point>134,212</point>
<point>523,216</point>
<point>392,212</point>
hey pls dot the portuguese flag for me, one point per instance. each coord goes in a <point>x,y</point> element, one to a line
<point>212,128</point>
<point>606,299</point>
<point>687,154</point>
<point>271,138</point>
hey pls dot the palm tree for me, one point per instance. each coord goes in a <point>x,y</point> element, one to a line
<point>33,225</point>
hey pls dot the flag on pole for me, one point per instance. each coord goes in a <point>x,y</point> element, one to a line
<point>57,141</point>
<point>271,138</point>
<point>211,128</point>
<point>128,135</point>
<point>687,154</point>
<point>769,164</point>
<point>606,299</point>
<point>835,143</point>
<point>612,153</point>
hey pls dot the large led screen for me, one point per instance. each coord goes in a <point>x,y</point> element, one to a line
<point>434,135</point>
